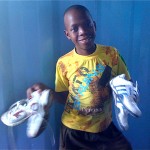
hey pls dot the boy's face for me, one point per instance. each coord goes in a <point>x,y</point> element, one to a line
<point>80,29</point>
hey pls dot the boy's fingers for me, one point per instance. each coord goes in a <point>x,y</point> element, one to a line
<point>36,87</point>
<point>29,92</point>
<point>39,87</point>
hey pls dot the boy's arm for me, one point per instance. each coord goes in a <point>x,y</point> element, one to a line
<point>60,97</point>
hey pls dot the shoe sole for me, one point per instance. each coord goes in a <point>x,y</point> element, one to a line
<point>4,117</point>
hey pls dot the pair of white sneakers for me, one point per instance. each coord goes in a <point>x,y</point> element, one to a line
<point>126,96</point>
<point>34,110</point>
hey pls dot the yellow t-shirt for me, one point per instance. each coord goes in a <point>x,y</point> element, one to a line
<point>89,104</point>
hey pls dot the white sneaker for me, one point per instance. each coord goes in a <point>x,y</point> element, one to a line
<point>37,122</point>
<point>121,113</point>
<point>34,109</point>
<point>126,93</point>
<point>19,112</point>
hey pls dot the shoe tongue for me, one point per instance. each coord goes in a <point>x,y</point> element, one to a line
<point>35,97</point>
<point>35,94</point>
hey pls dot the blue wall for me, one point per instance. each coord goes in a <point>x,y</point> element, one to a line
<point>32,39</point>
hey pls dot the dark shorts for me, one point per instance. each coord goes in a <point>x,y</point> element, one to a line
<point>110,139</point>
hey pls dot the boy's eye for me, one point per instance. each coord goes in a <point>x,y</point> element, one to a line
<point>74,29</point>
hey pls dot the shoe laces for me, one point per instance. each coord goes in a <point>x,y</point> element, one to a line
<point>20,105</point>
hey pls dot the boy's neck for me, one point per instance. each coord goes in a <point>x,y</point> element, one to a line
<point>86,52</point>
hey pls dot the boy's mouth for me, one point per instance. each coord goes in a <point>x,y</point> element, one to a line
<point>86,39</point>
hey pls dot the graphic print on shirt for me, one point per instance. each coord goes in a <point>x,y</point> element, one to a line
<point>85,86</point>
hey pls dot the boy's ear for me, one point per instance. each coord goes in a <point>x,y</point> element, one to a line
<point>67,34</point>
<point>94,24</point>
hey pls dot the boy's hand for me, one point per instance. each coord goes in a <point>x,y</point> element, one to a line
<point>36,87</point>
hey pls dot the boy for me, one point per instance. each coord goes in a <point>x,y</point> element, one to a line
<point>82,83</point>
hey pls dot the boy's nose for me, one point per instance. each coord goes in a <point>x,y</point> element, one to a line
<point>82,30</point>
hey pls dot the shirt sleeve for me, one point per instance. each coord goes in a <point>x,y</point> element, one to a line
<point>120,67</point>
<point>61,82</point>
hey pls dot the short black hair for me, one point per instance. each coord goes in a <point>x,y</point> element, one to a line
<point>78,7</point>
